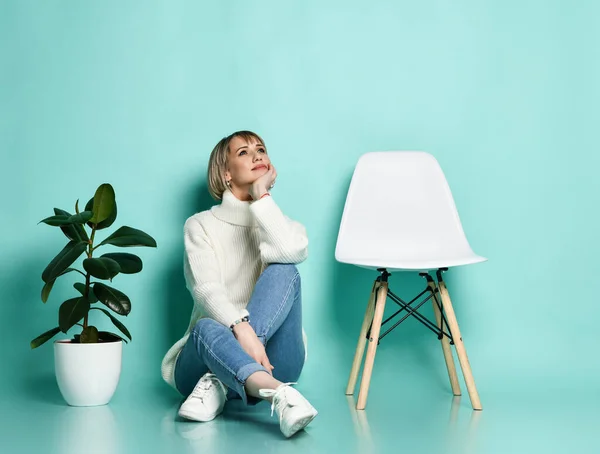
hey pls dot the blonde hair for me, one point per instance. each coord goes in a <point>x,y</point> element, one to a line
<point>217,163</point>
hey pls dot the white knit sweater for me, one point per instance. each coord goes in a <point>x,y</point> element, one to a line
<point>226,250</point>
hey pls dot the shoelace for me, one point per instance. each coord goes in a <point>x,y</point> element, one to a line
<point>276,402</point>
<point>205,384</point>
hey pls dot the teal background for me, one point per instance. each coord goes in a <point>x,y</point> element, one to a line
<point>506,95</point>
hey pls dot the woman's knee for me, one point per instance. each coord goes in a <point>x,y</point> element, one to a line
<point>283,271</point>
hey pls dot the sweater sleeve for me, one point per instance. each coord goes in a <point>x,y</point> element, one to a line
<point>202,275</point>
<point>282,240</point>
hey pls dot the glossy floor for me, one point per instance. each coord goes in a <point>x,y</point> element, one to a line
<point>420,418</point>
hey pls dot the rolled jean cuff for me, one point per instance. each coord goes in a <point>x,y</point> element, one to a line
<point>241,378</point>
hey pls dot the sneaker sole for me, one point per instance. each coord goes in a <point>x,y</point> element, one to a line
<point>195,417</point>
<point>301,424</point>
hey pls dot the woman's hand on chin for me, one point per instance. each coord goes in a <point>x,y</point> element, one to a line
<point>263,183</point>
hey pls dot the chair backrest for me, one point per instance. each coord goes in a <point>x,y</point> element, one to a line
<point>399,208</point>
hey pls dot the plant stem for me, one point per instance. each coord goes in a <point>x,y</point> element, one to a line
<point>87,276</point>
<point>87,291</point>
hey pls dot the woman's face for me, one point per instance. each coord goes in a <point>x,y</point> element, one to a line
<point>246,162</point>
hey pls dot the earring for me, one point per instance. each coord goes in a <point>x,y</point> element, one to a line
<point>228,183</point>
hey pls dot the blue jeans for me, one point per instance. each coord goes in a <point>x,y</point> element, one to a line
<point>275,310</point>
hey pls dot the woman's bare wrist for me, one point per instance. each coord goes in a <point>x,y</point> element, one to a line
<point>241,328</point>
<point>258,191</point>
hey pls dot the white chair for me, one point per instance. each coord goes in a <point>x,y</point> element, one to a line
<point>400,216</point>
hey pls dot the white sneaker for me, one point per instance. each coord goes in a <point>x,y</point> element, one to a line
<point>206,401</point>
<point>295,412</point>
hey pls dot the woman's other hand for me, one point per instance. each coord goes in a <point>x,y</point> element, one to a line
<point>252,345</point>
<point>263,183</point>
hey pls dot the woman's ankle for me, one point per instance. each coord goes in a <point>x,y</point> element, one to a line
<point>261,380</point>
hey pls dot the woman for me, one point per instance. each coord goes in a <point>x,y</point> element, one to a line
<point>245,338</point>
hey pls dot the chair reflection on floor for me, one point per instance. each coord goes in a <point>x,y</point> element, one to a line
<point>457,440</point>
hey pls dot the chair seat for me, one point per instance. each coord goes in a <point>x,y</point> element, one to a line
<point>400,215</point>
<point>415,265</point>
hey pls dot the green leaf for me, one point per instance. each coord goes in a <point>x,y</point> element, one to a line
<point>129,263</point>
<point>104,203</point>
<point>47,289</point>
<point>63,260</point>
<point>77,206</point>
<point>74,232</point>
<point>129,237</point>
<point>71,311</point>
<point>81,218</point>
<point>116,322</point>
<point>102,267</point>
<point>80,287</point>
<point>110,337</point>
<point>48,285</point>
<point>107,222</point>
<point>89,335</point>
<point>113,298</point>
<point>56,220</point>
<point>67,219</point>
<point>43,338</point>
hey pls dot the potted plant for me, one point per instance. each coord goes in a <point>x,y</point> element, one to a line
<point>88,366</point>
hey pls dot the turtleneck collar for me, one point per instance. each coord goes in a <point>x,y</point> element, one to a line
<point>233,210</point>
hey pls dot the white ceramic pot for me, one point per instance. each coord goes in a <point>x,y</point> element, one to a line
<point>87,374</point>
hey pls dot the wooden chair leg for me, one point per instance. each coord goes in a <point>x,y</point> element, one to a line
<point>460,348</point>
<point>362,340</point>
<point>381,298</point>
<point>446,347</point>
